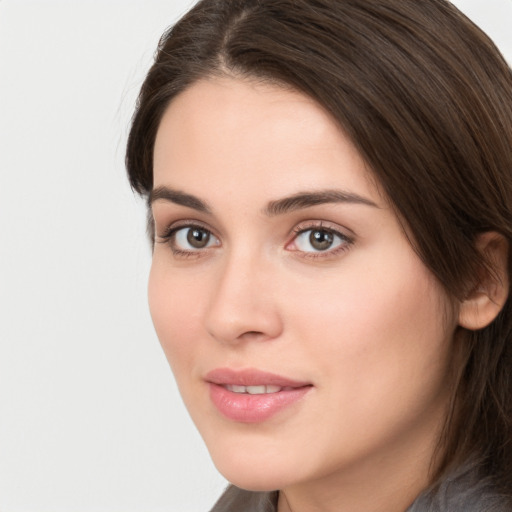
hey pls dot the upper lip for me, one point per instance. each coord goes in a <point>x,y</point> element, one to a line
<point>250,377</point>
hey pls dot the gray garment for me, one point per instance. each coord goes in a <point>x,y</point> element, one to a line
<point>463,491</point>
<point>238,500</point>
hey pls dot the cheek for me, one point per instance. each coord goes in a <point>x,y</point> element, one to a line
<point>175,305</point>
<point>382,335</point>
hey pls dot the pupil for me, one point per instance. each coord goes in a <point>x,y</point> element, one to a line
<point>198,238</point>
<point>321,240</point>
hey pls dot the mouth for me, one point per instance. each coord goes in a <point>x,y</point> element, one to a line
<point>253,396</point>
<point>252,381</point>
<point>256,390</point>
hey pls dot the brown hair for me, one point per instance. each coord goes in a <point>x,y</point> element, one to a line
<point>426,97</point>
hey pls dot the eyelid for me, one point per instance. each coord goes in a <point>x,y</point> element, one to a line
<point>323,224</point>
<point>172,227</point>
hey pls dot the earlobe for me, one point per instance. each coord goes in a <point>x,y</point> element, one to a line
<point>486,299</point>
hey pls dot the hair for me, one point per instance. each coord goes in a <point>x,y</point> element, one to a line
<point>426,98</point>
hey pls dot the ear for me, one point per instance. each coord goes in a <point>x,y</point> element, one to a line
<point>488,296</point>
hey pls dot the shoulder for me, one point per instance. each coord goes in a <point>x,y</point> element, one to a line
<point>238,500</point>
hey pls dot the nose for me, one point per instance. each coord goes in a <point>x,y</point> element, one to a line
<point>243,304</point>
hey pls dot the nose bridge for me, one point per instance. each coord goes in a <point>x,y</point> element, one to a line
<point>243,305</point>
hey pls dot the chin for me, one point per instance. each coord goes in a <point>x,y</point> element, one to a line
<point>253,471</point>
<point>254,480</point>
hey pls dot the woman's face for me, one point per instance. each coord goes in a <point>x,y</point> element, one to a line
<point>307,338</point>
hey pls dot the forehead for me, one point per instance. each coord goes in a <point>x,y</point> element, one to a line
<point>239,132</point>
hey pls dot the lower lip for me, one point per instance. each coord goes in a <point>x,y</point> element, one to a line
<point>246,408</point>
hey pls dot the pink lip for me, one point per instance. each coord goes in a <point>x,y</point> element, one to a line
<point>246,408</point>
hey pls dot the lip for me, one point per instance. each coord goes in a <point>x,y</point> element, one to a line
<point>247,408</point>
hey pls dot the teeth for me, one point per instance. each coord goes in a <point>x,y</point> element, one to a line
<point>253,390</point>
<point>256,390</point>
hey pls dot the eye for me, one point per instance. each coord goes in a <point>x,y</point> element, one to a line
<point>185,240</point>
<point>193,238</point>
<point>319,239</point>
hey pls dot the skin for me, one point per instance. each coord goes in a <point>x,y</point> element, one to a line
<point>364,321</point>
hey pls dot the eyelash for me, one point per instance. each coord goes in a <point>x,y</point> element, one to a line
<point>168,237</point>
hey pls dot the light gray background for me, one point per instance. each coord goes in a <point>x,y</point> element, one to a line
<point>90,419</point>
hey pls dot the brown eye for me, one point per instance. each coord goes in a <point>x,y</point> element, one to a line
<point>321,240</point>
<point>198,238</point>
<point>192,239</point>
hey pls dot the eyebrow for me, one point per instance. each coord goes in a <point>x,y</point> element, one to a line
<point>303,200</point>
<point>177,197</point>
<point>298,201</point>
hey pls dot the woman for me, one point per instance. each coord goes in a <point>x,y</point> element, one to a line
<point>329,188</point>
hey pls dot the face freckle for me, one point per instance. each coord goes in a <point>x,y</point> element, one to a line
<point>356,319</point>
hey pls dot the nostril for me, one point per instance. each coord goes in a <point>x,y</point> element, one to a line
<point>251,335</point>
